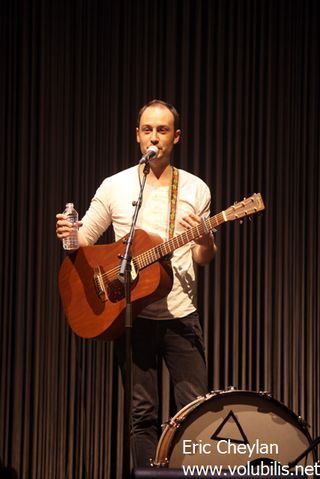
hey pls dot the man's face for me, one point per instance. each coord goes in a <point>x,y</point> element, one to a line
<point>157,128</point>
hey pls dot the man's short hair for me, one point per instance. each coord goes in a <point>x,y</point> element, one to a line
<point>165,105</point>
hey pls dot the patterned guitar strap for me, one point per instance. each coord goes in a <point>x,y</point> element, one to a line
<point>173,200</point>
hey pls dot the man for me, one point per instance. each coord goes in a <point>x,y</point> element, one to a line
<point>169,327</point>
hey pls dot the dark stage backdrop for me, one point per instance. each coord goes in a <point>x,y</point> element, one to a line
<point>245,77</point>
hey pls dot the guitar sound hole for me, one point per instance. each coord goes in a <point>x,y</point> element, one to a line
<point>115,291</point>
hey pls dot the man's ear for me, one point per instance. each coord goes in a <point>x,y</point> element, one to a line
<point>137,135</point>
<point>177,136</point>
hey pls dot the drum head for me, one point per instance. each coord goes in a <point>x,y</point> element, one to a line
<point>233,428</point>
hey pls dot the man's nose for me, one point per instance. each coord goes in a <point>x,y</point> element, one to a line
<point>154,137</point>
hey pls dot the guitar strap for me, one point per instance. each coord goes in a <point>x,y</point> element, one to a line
<point>173,200</point>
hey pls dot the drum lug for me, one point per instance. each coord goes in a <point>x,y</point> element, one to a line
<point>206,396</point>
<point>177,423</point>
<point>267,394</point>
<point>214,392</point>
<point>303,422</point>
<point>174,423</point>
<point>164,463</point>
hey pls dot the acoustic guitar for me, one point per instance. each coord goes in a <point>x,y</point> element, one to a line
<point>92,293</point>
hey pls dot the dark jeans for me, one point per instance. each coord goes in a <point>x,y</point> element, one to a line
<point>180,343</point>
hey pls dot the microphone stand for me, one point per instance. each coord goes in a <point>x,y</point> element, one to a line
<point>125,278</point>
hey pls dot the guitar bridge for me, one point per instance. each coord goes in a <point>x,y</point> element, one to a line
<point>99,284</point>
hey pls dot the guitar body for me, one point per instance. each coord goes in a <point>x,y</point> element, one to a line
<point>88,315</point>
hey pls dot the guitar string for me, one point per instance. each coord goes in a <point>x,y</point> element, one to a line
<point>152,255</point>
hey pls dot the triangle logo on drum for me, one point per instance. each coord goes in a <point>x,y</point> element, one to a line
<point>230,430</point>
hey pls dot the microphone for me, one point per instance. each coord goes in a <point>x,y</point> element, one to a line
<point>152,152</point>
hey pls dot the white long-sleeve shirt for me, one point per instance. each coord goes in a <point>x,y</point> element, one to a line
<point>112,204</point>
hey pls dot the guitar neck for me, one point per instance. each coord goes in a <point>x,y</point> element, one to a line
<point>246,207</point>
<point>154,254</point>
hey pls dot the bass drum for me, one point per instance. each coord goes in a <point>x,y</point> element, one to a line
<point>234,428</point>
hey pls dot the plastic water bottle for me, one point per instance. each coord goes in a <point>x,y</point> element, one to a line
<point>71,242</point>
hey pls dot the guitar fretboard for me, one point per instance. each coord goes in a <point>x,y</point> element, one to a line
<point>154,254</point>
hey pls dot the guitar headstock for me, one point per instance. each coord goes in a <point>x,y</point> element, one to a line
<point>246,207</point>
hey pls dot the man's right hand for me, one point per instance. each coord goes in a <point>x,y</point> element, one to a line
<point>63,226</point>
